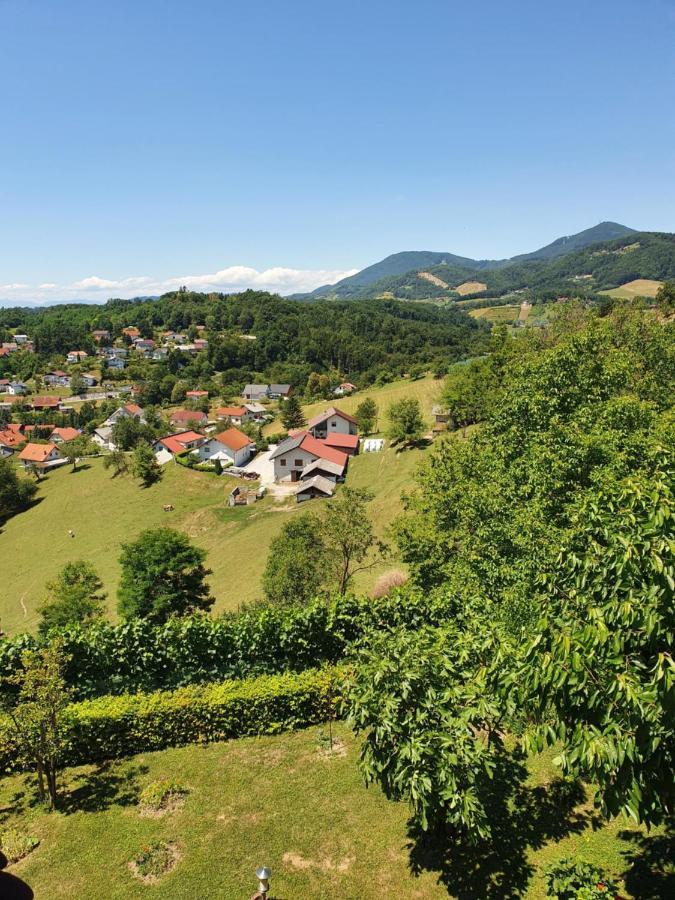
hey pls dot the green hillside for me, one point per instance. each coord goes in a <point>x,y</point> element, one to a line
<point>585,272</point>
<point>371,280</point>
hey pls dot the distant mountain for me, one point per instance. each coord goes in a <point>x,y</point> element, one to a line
<point>580,273</point>
<point>421,260</point>
<point>605,231</point>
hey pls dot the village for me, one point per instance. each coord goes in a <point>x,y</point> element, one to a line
<point>303,462</point>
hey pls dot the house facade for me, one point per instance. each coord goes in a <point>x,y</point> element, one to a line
<point>332,421</point>
<point>297,452</point>
<point>43,456</point>
<point>231,446</point>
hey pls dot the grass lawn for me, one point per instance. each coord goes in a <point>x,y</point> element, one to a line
<point>641,287</point>
<point>287,803</point>
<point>105,512</point>
<point>427,391</point>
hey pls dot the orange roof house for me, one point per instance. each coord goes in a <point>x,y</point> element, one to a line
<point>39,455</point>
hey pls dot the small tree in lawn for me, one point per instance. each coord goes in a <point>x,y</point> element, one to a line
<point>349,542</point>
<point>292,415</point>
<point>75,596</point>
<point>406,424</point>
<point>144,466</point>
<point>15,492</point>
<point>117,461</point>
<point>218,467</point>
<point>366,415</point>
<point>163,575</point>
<point>35,719</point>
<point>294,572</point>
<point>78,385</point>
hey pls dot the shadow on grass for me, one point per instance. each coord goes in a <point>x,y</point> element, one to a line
<point>651,864</point>
<point>12,887</point>
<point>107,785</point>
<point>104,786</point>
<point>522,819</point>
<point>81,467</point>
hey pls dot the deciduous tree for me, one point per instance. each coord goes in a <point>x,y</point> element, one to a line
<point>163,575</point>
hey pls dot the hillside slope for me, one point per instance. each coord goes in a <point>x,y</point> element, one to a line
<point>420,260</point>
<point>585,272</point>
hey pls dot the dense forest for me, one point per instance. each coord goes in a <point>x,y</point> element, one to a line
<point>286,340</point>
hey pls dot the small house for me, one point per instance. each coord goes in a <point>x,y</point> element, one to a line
<point>231,446</point>
<point>332,421</point>
<point>256,392</point>
<point>294,454</point>
<point>185,418</point>
<point>179,443</point>
<point>57,378</point>
<point>44,456</point>
<point>236,414</point>
<point>314,488</point>
<point>76,356</point>
<point>279,391</point>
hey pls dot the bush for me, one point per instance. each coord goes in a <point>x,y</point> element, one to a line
<point>14,844</point>
<point>276,438</point>
<point>138,655</point>
<point>154,860</point>
<point>162,796</point>
<point>112,727</point>
<point>572,879</point>
<point>387,582</point>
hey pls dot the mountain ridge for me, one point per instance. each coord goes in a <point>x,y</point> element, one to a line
<point>417,260</point>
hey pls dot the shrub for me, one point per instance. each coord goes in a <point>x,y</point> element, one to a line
<point>162,796</point>
<point>111,727</point>
<point>386,583</point>
<point>154,860</point>
<point>572,879</point>
<point>138,655</point>
<point>15,844</point>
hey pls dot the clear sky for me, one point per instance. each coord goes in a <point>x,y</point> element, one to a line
<point>283,143</point>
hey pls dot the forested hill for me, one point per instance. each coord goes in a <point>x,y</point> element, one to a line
<point>420,260</point>
<point>583,272</point>
<point>257,332</point>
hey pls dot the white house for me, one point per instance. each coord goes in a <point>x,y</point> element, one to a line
<point>44,456</point>
<point>58,378</point>
<point>103,437</point>
<point>128,411</point>
<point>236,414</point>
<point>332,421</point>
<point>16,387</point>
<point>76,356</point>
<point>296,453</point>
<point>231,446</point>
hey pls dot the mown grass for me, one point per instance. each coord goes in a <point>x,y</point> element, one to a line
<point>426,390</point>
<point>640,287</point>
<point>105,512</point>
<point>285,802</point>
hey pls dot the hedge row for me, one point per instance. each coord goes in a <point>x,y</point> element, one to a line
<point>111,727</point>
<point>139,656</point>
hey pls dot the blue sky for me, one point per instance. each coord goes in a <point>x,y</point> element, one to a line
<point>283,144</point>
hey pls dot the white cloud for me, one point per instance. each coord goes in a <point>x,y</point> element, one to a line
<point>278,279</point>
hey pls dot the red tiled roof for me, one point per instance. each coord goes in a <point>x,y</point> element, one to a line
<point>327,413</point>
<point>36,452</point>
<point>348,441</point>
<point>46,401</point>
<point>10,438</point>
<point>233,438</point>
<point>133,409</point>
<point>322,451</point>
<point>226,411</point>
<point>175,443</point>
<point>196,393</point>
<point>188,415</point>
<point>66,434</point>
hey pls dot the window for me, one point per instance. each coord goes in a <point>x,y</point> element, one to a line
<point>298,462</point>
<point>282,462</point>
<point>333,423</point>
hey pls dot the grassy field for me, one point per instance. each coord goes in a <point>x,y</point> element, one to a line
<point>104,512</point>
<point>498,315</point>
<point>641,287</point>
<point>426,390</point>
<point>288,803</point>
<point>470,287</point>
